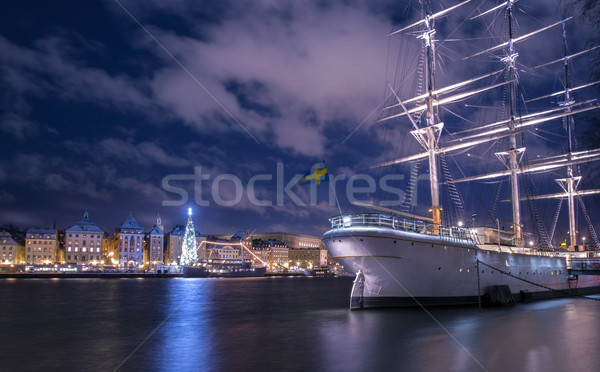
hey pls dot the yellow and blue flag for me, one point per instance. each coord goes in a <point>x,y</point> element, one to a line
<point>318,173</point>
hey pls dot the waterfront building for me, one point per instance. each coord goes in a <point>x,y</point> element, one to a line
<point>110,248</point>
<point>308,257</point>
<point>9,249</point>
<point>40,246</point>
<point>273,252</point>
<point>131,243</point>
<point>156,240</point>
<point>223,250</point>
<point>302,250</point>
<point>279,254</point>
<point>83,242</point>
<point>291,240</point>
<point>175,245</point>
<point>60,251</point>
<point>262,252</point>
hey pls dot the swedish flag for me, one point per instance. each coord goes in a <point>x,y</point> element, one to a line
<point>318,174</point>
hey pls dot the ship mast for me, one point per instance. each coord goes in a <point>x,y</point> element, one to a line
<point>569,184</point>
<point>429,136</point>
<point>513,154</point>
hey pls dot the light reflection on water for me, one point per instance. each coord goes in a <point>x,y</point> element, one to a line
<point>276,324</point>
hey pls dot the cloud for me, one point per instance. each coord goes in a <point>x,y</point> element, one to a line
<point>127,152</point>
<point>48,68</point>
<point>16,125</point>
<point>134,186</point>
<point>319,66</point>
<point>144,153</point>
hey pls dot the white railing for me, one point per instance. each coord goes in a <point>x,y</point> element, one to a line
<point>452,233</point>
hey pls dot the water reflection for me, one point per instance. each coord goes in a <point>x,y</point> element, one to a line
<point>555,335</point>
<point>276,324</point>
<point>183,339</point>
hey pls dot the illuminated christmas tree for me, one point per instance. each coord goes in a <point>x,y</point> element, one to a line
<point>189,254</point>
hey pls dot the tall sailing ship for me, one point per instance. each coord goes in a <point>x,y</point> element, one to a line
<point>401,259</point>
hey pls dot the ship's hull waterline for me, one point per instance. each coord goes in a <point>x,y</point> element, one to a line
<point>404,268</point>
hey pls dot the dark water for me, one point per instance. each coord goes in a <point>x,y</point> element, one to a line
<point>276,324</point>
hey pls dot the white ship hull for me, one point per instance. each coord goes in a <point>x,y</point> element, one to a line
<point>405,268</point>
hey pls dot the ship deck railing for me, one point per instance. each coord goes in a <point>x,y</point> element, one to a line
<point>446,233</point>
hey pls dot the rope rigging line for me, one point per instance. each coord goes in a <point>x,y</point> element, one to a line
<point>590,225</point>
<point>540,228</point>
<point>492,210</point>
<point>555,219</point>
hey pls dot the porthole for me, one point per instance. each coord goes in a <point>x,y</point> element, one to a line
<point>361,239</point>
<point>439,268</point>
<point>394,242</point>
<point>412,243</point>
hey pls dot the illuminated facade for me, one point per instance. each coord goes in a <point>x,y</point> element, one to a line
<point>156,240</point>
<point>308,257</point>
<point>272,251</point>
<point>175,245</point>
<point>110,249</point>
<point>8,249</point>
<point>225,252</point>
<point>40,246</point>
<point>83,242</point>
<point>131,243</point>
<point>291,240</point>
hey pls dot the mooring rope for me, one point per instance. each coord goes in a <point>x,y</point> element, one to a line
<point>566,293</point>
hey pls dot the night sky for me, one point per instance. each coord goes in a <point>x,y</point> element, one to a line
<point>101,100</point>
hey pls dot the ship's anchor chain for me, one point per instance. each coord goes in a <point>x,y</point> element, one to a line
<point>565,293</point>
